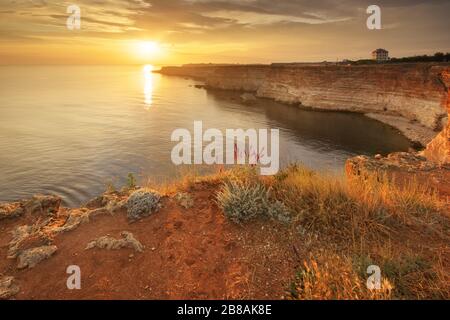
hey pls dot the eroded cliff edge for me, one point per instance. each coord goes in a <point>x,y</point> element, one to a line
<point>431,166</point>
<point>410,97</point>
<point>438,150</point>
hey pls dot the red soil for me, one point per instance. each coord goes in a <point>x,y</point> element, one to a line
<point>189,254</point>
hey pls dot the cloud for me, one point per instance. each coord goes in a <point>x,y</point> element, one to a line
<point>282,29</point>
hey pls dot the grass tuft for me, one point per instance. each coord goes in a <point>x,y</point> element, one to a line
<point>377,221</point>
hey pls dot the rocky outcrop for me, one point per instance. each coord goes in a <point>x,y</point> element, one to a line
<point>11,210</point>
<point>431,167</point>
<point>414,98</point>
<point>398,161</point>
<point>37,205</point>
<point>109,243</point>
<point>75,219</point>
<point>21,237</point>
<point>438,150</point>
<point>33,243</point>
<point>413,92</point>
<point>8,287</point>
<point>45,205</point>
<point>31,257</point>
<point>402,168</point>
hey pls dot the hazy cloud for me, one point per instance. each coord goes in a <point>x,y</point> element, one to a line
<point>238,29</point>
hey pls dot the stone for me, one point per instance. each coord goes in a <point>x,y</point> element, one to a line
<point>114,205</point>
<point>31,257</point>
<point>98,212</point>
<point>28,235</point>
<point>46,205</point>
<point>142,203</point>
<point>110,243</point>
<point>75,219</point>
<point>95,203</point>
<point>20,234</point>
<point>111,203</point>
<point>8,287</point>
<point>11,210</point>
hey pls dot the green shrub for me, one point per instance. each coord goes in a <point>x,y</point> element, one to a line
<point>242,202</point>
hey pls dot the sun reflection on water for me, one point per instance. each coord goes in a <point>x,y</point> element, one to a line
<point>148,85</point>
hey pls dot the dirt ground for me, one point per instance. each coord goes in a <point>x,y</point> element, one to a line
<point>190,253</point>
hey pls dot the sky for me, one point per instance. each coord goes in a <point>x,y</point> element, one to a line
<point>173,32</point>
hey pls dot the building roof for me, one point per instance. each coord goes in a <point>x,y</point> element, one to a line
<point>379,50</point>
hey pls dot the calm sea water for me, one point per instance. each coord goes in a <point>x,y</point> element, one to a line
<point>72,130</point>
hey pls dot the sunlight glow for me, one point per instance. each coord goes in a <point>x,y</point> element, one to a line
<point>148,85</point>
<point>149,49</point>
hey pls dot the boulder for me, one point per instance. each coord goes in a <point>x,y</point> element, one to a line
<point>110,243</point>
<point>76,217</point>
<point>95,203</point>
<point>46,205</point>
<point>19,234</point>
<point>11,210</point>
<point>111,202</point>
<point>8,287</point>
<point>31,257</point>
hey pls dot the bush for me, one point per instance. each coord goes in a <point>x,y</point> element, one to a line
<point>142,203</point>
<point>242,202</point>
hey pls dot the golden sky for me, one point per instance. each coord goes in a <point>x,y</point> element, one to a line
<point>218,31</point>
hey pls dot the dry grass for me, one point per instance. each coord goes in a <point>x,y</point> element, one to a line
<point>358,210</point>
<point>332,277</point>
<point>348,225</point>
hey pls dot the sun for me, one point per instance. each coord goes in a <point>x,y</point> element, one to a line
<point>148,49</point>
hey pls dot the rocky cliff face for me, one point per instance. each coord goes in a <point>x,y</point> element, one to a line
<point>430,167</point>
<point>407,96</point>
<point>438,150</point>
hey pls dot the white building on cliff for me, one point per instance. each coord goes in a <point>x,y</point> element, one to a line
<point>380,55</point>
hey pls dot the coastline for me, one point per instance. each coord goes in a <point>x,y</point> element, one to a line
<point>238,235</point>
<point>408,97</point>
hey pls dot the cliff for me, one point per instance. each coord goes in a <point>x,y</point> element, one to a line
<point>431,167</point>
<point>409,97</point>
<point>438,150</point>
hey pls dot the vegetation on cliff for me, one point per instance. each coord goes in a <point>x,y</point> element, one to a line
<point>347,225</point>
<point>437,57</point>
<point>234,234</point>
